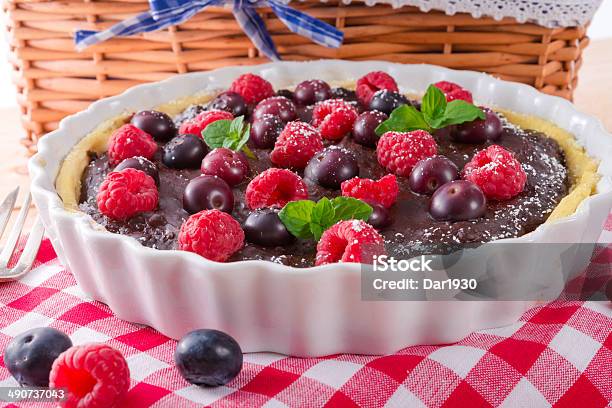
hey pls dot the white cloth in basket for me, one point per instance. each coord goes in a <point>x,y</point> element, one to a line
<point>548,13</point>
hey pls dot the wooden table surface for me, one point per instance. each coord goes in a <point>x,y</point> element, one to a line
<point>594,96</point>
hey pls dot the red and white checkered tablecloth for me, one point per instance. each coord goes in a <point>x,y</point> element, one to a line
<point>559,354</point>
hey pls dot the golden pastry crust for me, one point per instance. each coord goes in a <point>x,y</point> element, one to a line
<point>68,182</point>
<point>581,167</point>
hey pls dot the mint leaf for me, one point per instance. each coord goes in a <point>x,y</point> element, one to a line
<point>215,133</point>
<point>433,104</point>
<point>232,135</point>
<point>244,138</point>
<point>349,208</point>
<point>296,215</point>
<point>459,111</point>
<point>322,217</point>
<point>436,113</point>
<point>403,119</point>
<point>308,220</point>
<point>229,143</point>
<point>236,127</point>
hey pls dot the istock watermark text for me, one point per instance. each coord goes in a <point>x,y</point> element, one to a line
<point>384,263</point>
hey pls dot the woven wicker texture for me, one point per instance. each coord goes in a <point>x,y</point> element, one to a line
<point>54,80</point>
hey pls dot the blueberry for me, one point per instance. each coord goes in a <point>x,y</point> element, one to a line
<point>265,131</point>
<point>479,131</point>
<point>431,173</point>
<point>188,114</point>
<point>286,93</point>
<point>331,166</point>
<point>231,102</point>
<point>208,193</point>
<point>365,126</point>
<point>208,357</point>
<point>380,217</point>
<point>343,93</point>
<point>277,106</point>
<point>312,91</point>
<point>184,152</point>
<point>228,164</point>
<point>29,356</point>
<point>159,125</point>
<point>140,163</point>
<point>264,227</point>
<point>387,101</point>
<point>459,200</point>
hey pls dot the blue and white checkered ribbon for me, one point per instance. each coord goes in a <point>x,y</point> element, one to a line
<point>164,13</point>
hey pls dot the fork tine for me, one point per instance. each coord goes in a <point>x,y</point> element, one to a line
<point>6,208</point>
<point>8,249</point>
<point>29,252</point>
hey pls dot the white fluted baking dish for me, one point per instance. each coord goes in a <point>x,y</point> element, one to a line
<point>270,307</point>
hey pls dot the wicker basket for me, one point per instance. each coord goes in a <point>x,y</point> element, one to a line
<point>54,80</point>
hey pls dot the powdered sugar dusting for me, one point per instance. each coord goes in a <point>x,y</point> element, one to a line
<point>547,183</point>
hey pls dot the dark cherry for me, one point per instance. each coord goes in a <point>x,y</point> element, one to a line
<point>264,227</point>
<point>265,131</point>
<point>30,355</point>
<point>331,166</point>
<point>311,91</point>
<point>458,200</point>
<point>208,193</point>
<point>184,152</point>
<point>208,357</point>
<point>305,113</point>
<point>380,217</point>
<point>343,93</point>
<point>286,93</point>
<point>365,125</point>
<point>228,164</point>
<point>444,133</point>
<point>386,101</point>
<point>277,106</point>
<point>431,173</point>
<point>231,102</point>
<point>157,124</point>
<point>140,163</point>
<point>479,131</point>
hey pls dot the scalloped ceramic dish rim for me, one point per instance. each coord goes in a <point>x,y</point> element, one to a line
<point>42,182</point>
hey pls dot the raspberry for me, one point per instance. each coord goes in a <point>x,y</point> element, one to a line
<point>349,241</point>
<point>197,125</point>
<point>453,91</point>
<point>497,172</point>
<point>129,141</point>
<point>252,88</point>
<point>275,187</point>
<point>399,152</point>
<point>334,118</point>
<point>213,234</point>
<point>94,375</point>
<point>383,191</point>
<point>127,192</point>
<point>296,145</point>
<point>368,84</point>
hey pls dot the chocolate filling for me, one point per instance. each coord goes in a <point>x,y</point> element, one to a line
<point>412,231</point>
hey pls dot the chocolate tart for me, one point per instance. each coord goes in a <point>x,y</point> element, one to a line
<point>559,175</point>
<point>315,311</point>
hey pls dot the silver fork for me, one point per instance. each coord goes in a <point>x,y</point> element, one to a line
<point>26,259</point>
